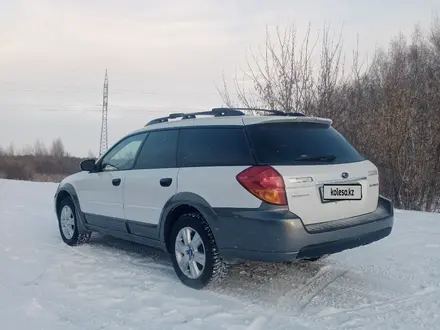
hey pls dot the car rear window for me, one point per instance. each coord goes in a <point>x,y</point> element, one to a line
<point>213,146</point>
<point>159,150</point>
<point>300,144</point>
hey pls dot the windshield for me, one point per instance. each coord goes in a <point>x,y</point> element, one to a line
<point>300,143</point>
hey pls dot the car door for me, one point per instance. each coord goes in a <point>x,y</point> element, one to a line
<point>101,192</point>
<point>152,182</point>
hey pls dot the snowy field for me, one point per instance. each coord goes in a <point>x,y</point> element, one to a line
<point>111,284</point>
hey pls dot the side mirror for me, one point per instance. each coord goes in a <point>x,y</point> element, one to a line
<point>88,165</point>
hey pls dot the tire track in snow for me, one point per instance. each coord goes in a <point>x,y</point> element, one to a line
<point>128,255</point>
<point>399,302</point>
<point>326,278</point>
<point>266,314</point>
<point>361,290</point>
<point>295,301</point>
<point>407,309</point>
<point>257,324</point>
<point>384,272</point>
<point>303,296</point>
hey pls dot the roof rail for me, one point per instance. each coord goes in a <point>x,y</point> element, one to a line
<point>216,112</point>
<point>269,112</point>
<point>224,112</point>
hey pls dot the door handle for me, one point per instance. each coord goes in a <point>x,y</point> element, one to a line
<point>166,182</point>
<point>116,182</point>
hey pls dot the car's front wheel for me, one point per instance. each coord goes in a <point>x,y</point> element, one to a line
<point>194,252</point>
<point>68,224</point>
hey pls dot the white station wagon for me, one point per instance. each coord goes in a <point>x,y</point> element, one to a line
<point>219,186</point>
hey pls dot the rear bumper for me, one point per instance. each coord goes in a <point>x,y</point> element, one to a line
<point>276,234</point>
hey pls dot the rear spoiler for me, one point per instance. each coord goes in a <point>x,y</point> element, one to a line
<point>251,120</point>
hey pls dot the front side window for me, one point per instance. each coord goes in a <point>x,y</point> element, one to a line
<point>123,155</point>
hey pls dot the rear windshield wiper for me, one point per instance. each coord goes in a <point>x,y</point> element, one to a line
<point>324,158</point>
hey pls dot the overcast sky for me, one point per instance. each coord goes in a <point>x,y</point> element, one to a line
<point>161,56</point>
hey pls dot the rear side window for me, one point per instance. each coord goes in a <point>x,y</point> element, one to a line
<point>159,150</point>
<point>300,144</point>
<point>213,146</point>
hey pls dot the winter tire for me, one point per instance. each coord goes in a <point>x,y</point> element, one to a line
<point>68,224</point>
<point>194,253</point>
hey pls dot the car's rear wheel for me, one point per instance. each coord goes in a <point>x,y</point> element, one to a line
<point>68,224</point>
<point>194,253</point>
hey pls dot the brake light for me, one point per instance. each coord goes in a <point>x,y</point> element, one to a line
<point>265,183</point>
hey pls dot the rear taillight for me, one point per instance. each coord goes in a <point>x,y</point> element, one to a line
<point>265,183</point>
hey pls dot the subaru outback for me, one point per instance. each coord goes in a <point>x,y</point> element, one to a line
<point>222,186</point>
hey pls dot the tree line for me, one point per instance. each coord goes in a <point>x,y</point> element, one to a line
<point>37,162</point>
<point>388,108</point>
<point>38,149</point>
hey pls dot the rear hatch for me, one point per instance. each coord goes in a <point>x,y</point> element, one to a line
<point>325,177</point>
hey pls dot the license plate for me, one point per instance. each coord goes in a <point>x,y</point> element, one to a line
<point>338,192</point>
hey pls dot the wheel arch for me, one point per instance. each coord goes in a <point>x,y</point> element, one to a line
<point>180,204</point>
<point>61,195</point>
<point>68,191</point>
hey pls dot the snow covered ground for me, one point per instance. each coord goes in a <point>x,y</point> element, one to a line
<point>112,284</point>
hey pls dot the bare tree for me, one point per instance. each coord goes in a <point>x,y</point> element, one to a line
<point>40,148</point>
<point>57,150</point>
<point>284,76</point>
<point>10,150</point>
<point>27,150</point>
